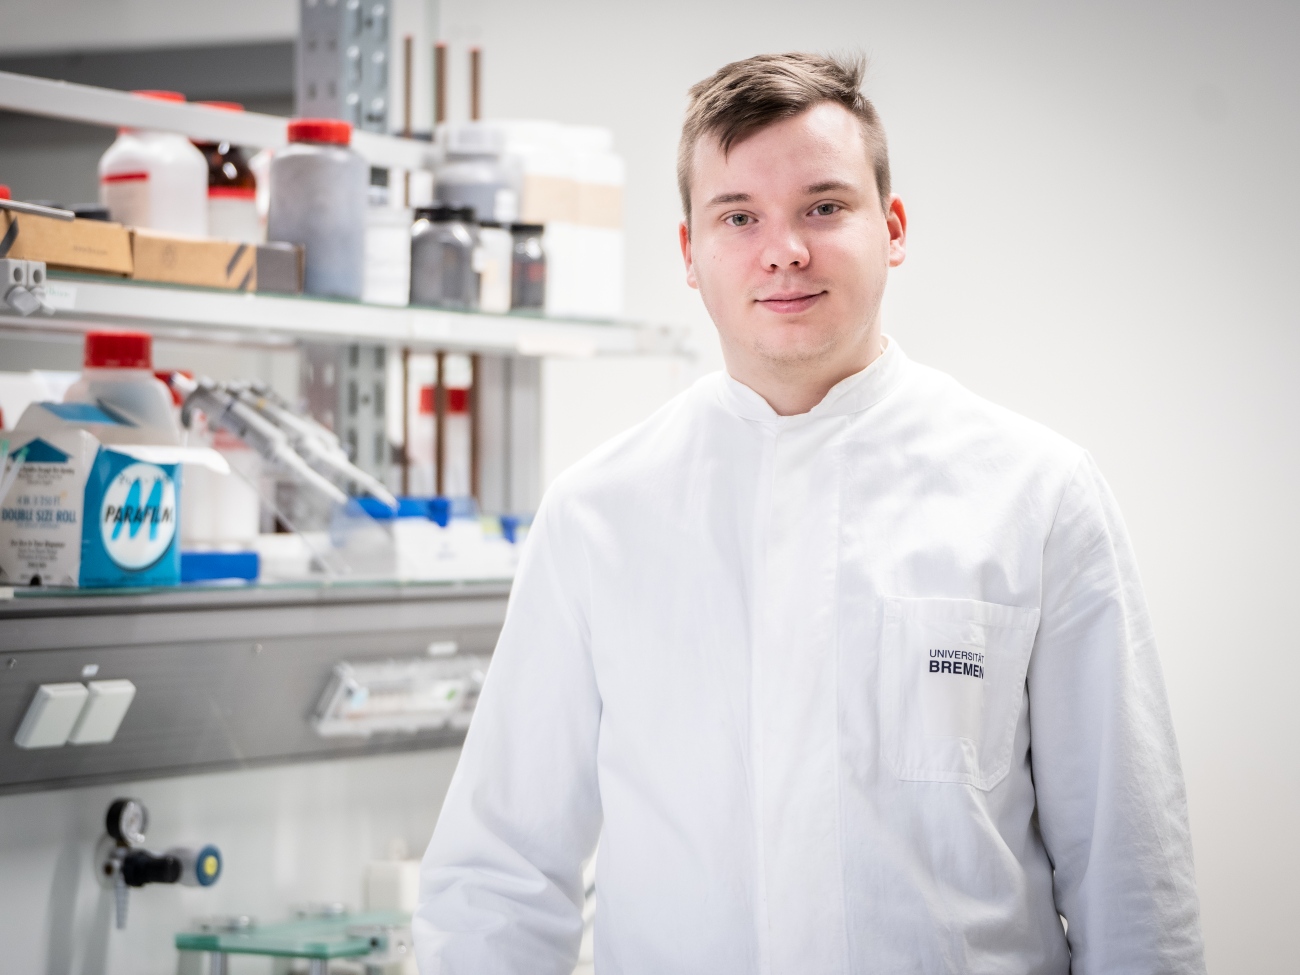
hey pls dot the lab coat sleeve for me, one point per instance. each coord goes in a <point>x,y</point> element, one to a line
<point>1111,803</point>
<point>501,887</point>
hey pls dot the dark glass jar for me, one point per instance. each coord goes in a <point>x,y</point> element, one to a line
<point>443,240</point>
<point>528,268</point>
<point>232,188</point>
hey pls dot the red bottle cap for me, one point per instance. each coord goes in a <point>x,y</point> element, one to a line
<point>165,377</point>
<point>457,399</point>
<point>329,130</point>
<point>162,96</point>
<point>224,106</point>
<point>119,350</point>
<point>4,192</point>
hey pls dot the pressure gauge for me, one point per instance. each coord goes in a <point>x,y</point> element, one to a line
<point>127,820</point>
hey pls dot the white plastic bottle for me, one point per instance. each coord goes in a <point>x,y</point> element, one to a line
<point>319,188</point>
<point>119,374</point>
<point>155,180</point>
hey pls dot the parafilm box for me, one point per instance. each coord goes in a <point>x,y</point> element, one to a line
<point>84,513</point>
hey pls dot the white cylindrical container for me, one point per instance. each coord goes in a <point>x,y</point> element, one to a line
<point>493,263</point>
<point>388,256</point>
<point>220,509</point>
<point>155,180</point>
<point>318,199</point>
<point>456,474</point>
<point>420,446</point>
<point>119,374</point>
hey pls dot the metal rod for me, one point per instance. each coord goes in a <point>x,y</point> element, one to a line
<point>218,963</point>
<point>439,83</point>
<point>439,421</point>
<point>475,73</point>
<point>36,210</point>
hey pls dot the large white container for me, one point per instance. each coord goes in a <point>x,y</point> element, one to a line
<point>318,199</point>
<point>157,180</point>
<point>119,374</point>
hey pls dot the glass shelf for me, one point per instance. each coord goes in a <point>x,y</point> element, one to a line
<point>84,301</point>
<point>325,938</point>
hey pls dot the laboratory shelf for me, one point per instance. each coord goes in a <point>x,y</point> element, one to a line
<point>82,302</point>
<point>118,109</point>
<point>225,677</point>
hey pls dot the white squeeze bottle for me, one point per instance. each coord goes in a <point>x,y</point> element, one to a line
<point>155,180</point>
<point>118,374</point>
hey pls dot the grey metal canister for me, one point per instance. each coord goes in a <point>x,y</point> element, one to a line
<point>318,199</point>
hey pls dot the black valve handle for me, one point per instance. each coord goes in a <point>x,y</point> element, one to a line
<point>140,867</point>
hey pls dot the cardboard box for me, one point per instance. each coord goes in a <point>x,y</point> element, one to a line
<point>280,267</point>
<point>227,264</point>
<point>85,512</point>
<point>193,260</point>
<point>73,245</point>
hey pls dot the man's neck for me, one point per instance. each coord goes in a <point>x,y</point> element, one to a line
<point>794,388</point>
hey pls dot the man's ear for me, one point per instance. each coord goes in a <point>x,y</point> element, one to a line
<point>684,238</point>
<point>896,219</point>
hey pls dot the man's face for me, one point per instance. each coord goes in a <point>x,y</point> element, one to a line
<point>789,245</point>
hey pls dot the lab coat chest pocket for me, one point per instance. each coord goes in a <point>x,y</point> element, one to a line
<point>952,678</point>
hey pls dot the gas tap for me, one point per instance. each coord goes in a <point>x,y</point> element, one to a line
<point>124,863</point>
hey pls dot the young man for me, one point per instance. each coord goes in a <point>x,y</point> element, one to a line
<point>847,669</point>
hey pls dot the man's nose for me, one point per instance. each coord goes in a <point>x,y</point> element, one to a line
<point>783,248</point>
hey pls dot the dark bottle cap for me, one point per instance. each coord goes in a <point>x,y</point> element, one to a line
<point>438,214</point>
<point>90,211</point>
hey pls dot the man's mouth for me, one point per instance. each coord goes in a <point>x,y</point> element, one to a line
<point>790,302</point>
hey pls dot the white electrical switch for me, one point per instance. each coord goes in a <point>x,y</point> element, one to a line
<point>103,713</point>
<point>51,716</point>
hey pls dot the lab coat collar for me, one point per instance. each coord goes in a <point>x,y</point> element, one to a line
<point>856,393</point>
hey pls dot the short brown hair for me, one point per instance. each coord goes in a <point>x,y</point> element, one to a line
<point>749,95</point>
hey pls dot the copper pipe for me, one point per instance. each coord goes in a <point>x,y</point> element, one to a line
<point>473,426</point>
<point>406,421</point>
<point>439,422</point>
<point>439,83</point>
<point>475,74</point>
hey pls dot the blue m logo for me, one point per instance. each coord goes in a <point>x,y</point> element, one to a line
<point>133,515</point>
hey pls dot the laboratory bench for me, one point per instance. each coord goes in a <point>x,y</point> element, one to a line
<point>228,676</point>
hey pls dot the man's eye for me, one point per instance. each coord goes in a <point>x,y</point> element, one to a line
<point>825,209</point>
<point>738,219</point>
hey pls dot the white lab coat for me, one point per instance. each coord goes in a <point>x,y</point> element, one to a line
<point>872,689</point>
